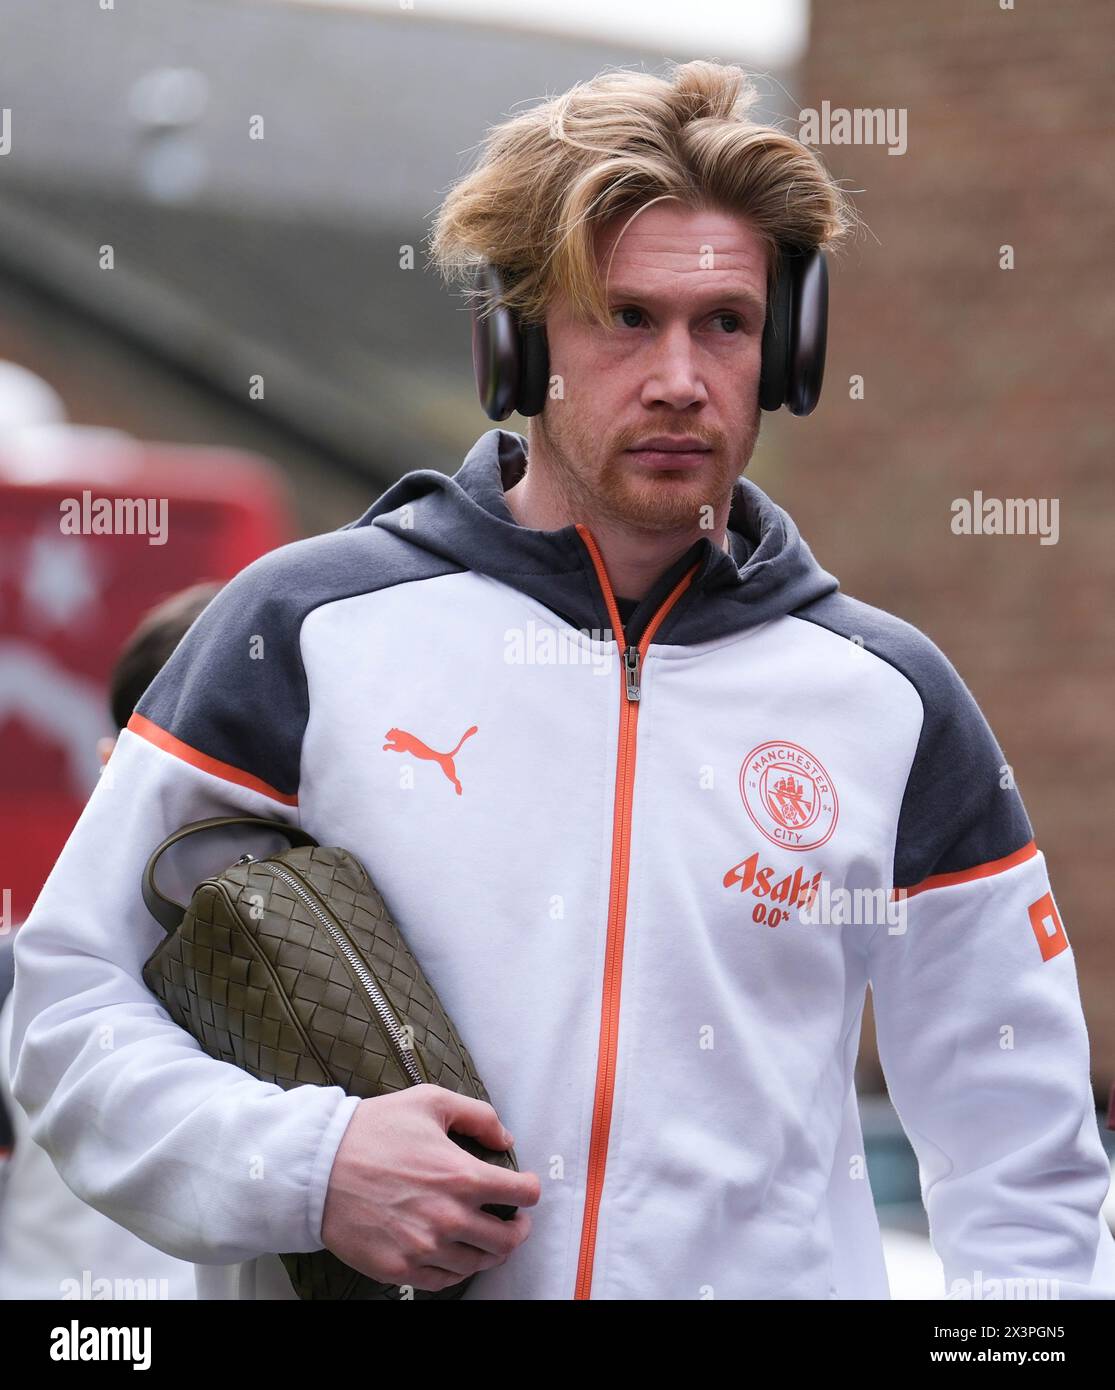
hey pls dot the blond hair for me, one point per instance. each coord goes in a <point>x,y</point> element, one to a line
<point>549,176</point>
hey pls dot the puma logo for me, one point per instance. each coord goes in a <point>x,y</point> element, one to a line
<point>403,742</point>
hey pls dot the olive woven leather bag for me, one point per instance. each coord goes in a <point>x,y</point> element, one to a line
<point>291,968</point>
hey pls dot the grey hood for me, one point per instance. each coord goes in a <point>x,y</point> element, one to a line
<point>464,519</point>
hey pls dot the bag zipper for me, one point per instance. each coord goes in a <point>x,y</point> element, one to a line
<point>396,1035</point>
<point>631,694</point>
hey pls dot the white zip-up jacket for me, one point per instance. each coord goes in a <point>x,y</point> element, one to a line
<point>611,871</point>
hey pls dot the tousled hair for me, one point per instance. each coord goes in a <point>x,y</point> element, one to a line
<point>548,177</point>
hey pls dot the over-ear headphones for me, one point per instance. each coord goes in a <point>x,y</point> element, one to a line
<point>512,360</point>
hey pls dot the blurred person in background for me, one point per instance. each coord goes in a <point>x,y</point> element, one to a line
<point>52,1244</point>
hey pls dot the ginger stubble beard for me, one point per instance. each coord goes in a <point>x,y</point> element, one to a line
<point>617,489</point>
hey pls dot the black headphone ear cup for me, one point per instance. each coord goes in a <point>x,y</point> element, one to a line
<point>774,373</point>
<point>810,333</point>
<point>534,369</point>
<point>495,348</point>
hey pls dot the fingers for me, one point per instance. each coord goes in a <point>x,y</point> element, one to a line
<point>490,1235</point>
<point>484,1184</point>
<point>485,1241</point>
<point>460,1261</point>
<point>432,1279</point>
<point>461,1258</point>
<point>469,1116</point>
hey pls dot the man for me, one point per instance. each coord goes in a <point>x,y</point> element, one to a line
<point>604,864</point>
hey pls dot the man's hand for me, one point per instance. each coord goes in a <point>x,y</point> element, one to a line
<point>404,1200</point>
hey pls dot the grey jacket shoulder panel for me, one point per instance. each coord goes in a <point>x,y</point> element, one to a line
<point>234,689</point>
<point>957,813</point>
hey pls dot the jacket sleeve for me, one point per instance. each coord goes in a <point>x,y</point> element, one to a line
<point>191,1154</point>
<point>979,1024</point>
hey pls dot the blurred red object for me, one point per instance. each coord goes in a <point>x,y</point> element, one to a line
<point>70,594</point>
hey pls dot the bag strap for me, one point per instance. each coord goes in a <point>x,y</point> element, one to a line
<point>169,914</point>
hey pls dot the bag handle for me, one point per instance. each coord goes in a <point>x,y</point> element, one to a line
<point>169,914</point>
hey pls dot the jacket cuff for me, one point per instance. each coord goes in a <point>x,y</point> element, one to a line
<point>322,1167</point>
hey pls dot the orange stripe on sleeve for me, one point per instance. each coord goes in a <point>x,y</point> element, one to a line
<point>994,866</point>
<point>139,724</point>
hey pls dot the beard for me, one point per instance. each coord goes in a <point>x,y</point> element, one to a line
<point>595,477</point>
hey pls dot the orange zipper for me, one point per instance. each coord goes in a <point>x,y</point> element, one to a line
<point>617,907</point>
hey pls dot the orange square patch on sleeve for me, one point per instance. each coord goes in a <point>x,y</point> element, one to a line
<point>1048,927</point>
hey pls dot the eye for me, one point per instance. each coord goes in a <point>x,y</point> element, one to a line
<point>633,318</point>
<point>628,309</point>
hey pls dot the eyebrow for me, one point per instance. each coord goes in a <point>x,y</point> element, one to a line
<point>737,297</point>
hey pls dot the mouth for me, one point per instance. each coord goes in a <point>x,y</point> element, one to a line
<point>663,453</point>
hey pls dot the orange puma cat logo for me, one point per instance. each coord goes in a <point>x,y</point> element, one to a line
<point>403,742</point>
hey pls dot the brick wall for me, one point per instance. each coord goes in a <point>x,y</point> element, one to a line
<point>982,378</point>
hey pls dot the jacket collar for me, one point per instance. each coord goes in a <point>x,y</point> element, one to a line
<point>465,519</point>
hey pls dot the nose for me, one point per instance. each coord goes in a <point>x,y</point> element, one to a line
<point>673,376</point>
